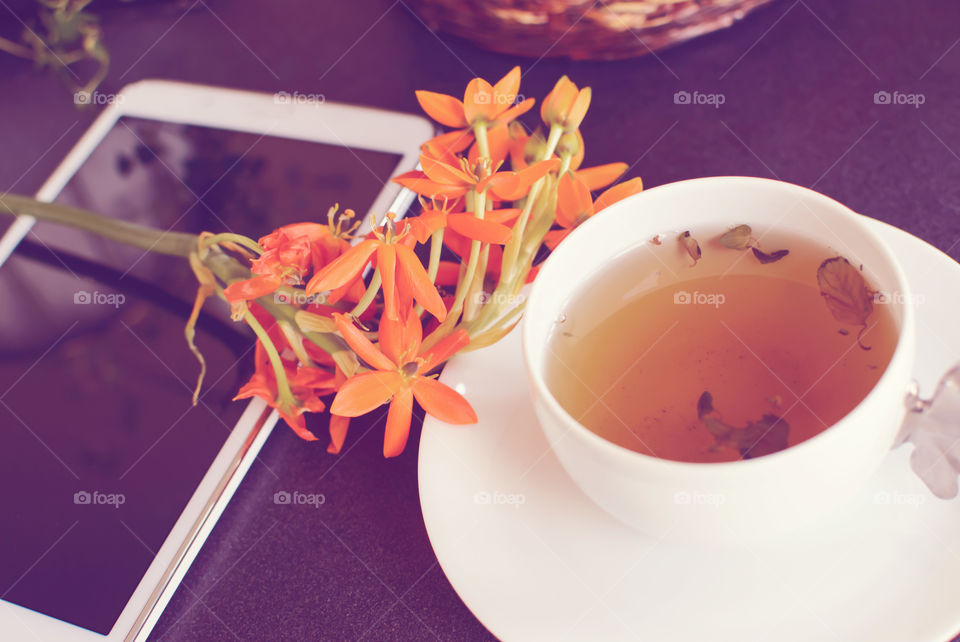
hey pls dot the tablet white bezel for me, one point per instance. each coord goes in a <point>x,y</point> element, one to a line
<point>310,120</point>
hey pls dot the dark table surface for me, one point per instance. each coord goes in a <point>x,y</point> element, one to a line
<point>798,79</point>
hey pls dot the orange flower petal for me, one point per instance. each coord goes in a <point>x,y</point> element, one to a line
<point>440,172</point>
<point>577,158</point>
<point>426,223</point>
<point>351,291</point>
<point>448,143</point>
<point>477,229</point>
<point>253,288</point>
<point>516,111</point>
<point>419,183</point>
<point>362,345</point>
<point>338,433</point>
<point>552,238</point>
<point>443,402</point>
<point>387,264</point>
<point>257,386</point>
<point>398,423</point>
<point>578,110</point>
<point>298,424</point>
<point>532,274</point>
<point>558,102</point>
<point>498,139</point>
<point>505,91</point>
<point>444,109</point>
<point>518,145</point>
<point>505,216</point>
<point>362,393</point>
<point>344,269</point>
<point>400,340</point>
<point>602,175</point>
<point>478,101</point>
<point>498,142</point>
<point>618,192</point>
<point>448,273</point>
<point>511,186</point>
<point>573,200</point>
<point>422,289</point>
<point>444,349</point>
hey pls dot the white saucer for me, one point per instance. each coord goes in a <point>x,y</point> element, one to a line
<point>535,559</point>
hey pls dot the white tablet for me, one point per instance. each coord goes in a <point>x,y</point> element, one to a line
<point>109,479</point>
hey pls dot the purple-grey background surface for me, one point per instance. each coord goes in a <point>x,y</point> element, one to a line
<point>799,81</point>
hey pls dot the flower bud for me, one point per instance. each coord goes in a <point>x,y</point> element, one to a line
<point>566,105</point>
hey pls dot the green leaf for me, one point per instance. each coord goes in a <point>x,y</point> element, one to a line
<point>691,246</point>
<point>772,257</point>
<point>737,238</point>
<point>767,435</point>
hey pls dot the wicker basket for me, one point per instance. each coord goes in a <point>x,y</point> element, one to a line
<point>581,29</point>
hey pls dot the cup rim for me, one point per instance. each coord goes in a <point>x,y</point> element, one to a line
<point>536,375</point>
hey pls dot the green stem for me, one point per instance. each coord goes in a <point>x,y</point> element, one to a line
<point>444,329</point>
<point>483,144</point>
<point>228,270</point>
<point>436,246</point>
<point>472,302</point>
<point>141,236</point>
<point>285,399</point>
<point>295,339</point>
<point>565,159</point>
<point>368,296</point>
<point>229,237</point>
<point>512,248</point>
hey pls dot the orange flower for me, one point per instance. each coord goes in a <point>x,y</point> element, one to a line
<point>289,252</point>
<point>338,433</point>
<point>449,144</point>
<point>482,103</point>
<point>490,229</point>
<point>575,205</point>
<point>398,266</point>
<point>460,245</point>
<point>440,180</point>
<point>398,377</point>
<point>523,148</point>
<point>566,105</point>
<point>600,176</point>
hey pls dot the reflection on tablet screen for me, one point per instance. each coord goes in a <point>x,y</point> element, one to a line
<point>101,449</point>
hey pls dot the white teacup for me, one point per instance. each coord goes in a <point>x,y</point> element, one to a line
<point>755,497</point>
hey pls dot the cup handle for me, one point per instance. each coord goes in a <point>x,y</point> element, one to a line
<point>933,426</point>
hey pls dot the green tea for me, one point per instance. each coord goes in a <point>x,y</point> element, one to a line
<point>735,355</point>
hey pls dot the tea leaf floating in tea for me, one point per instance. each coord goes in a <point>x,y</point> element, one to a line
<point>737,238</point>
<point>772,257</point>
<point>691,245</point>
<point>758,438</point>
<point>741,237</point>
<point>846,293</point>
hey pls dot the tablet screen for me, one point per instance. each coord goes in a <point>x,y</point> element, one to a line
<point>101,449</point>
